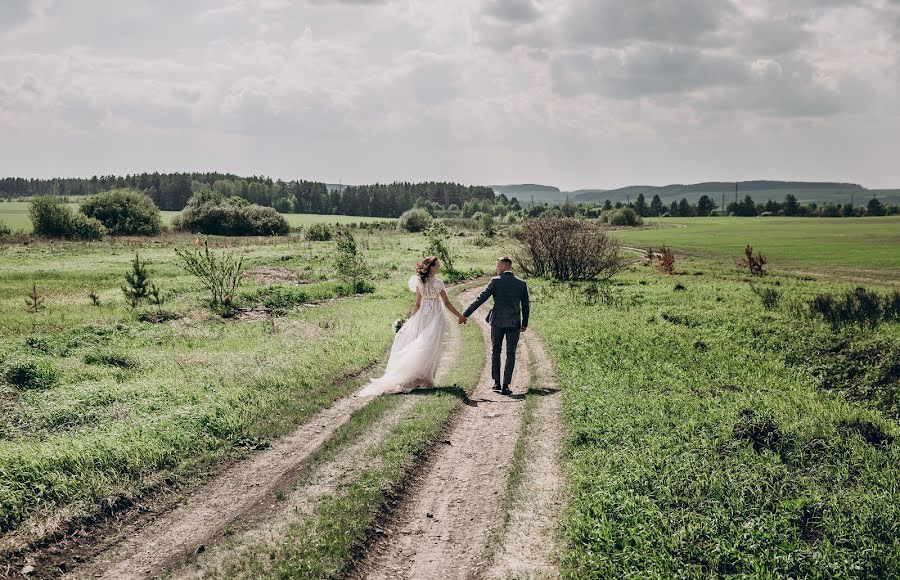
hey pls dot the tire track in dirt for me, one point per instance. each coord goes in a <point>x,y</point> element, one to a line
<point>530,544</point>
<point>453,511</point>
<point>246,488</point>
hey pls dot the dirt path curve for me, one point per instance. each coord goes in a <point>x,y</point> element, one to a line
<point>453,512</point>
<point>245,488</point>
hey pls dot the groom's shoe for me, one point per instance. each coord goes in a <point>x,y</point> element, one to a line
<point>497,388</point>
<point>506,390</point>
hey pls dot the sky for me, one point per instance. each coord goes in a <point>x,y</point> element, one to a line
<point>572,93</point>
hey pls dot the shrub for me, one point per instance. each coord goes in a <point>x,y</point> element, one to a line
<point>625,216</point>
<point>220,274</point>
<point>52,218</point>
<point>858,306</point>
<point>666,261</point>
<point>351,266</point>
<point>755,264</point>
<point>318,232</point>
<point>34,301</point>
<point>487,225</point>
<point>212,214</point>
<point>769,296</point>
<point>124,212</point>
<point>438,240</point>
<point>5,230</point>
<point>569,249</point>
<point>415,220</point>
<point>27,372</point>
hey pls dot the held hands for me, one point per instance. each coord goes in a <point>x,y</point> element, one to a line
<point>524,328</point>
<point>462,319</point>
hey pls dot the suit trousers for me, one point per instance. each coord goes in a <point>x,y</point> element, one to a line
<point>512,340</point>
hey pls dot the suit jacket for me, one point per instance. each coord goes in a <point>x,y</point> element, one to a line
<point>511,307</point>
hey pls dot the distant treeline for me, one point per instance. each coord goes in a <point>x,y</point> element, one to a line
<point>706,206</point>
<point>171,191</point>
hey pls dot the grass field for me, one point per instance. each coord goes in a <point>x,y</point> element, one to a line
<point>703,441</point>
<point>851,245</point>
<point>15,215</point>
<point>132,400</point>
<point>707,436</point>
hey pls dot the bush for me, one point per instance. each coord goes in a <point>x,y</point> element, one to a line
<point>754,264</point>
<point>27,372</point>
<point>859,307</point>
<point>350,264</point>
<point>5,230</point>
<point>769,296</point>
<point>569,249</point>
<point>438,240</point>
<point>124,212</point>
<point>666,261</point>
<point>212,214</point>
<point>52,218</point>
<point>220,274</point>
<point>318,232</point>
<point>415,220</point>
<point>625,216</point>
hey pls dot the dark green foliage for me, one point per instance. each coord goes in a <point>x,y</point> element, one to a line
<point>29,372</point>
<point>5,229</point>
<point>111,359</point>
<point>281,298</point>
<point>857,307</point>
<point>124,212</point>
<point>221,275</point>
<point>137,282</point>
<point>870,432</point>
<point>625,216</point>
<point>52,218</point>
<point>415,220</point>
<point>768,295</point>
<point>761,431</point>
<point>318,232</point>
<point>210,213</point>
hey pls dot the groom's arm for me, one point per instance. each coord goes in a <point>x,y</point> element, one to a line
<point>485,294</point>
<point>526,307</point>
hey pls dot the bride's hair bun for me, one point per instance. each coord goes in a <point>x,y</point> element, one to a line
<point>425,266</point>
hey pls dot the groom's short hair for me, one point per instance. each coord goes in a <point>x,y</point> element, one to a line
<point>506,260</point>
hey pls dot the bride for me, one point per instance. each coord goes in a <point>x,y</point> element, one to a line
<point>417,346</point>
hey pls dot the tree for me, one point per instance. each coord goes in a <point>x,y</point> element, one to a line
<point>875,207</point>
<point>640,205</point>
<point>705,205</point>
<point>673,208</point>
<point>124,212</point>
<point>684,208</point>
<point>790,206</point>
<point>656,205</point>
<point>607,205</point>
<point>137,285</point>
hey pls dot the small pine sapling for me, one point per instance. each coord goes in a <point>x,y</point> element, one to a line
<point>157,298</point>
<point>137,282</point>
<point>34,301</point>
<point>755,264</point>
<point>95,298</point>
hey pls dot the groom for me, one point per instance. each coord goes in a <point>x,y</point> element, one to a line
<point>507,318</point>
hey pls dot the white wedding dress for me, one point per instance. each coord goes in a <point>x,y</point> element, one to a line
<point>417,346</point>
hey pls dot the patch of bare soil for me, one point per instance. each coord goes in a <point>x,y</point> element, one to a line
<point>453,510</point>
<point>529,545</point>
<point>275,275</point>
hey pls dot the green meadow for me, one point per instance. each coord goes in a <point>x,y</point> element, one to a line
<point>850,246</point>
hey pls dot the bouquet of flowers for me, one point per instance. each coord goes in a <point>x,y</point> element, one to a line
<point>398,324</point>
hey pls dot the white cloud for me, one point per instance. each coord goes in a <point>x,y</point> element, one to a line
<point>560,91</point>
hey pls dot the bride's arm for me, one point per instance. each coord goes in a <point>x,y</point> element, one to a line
<point>450,306</point>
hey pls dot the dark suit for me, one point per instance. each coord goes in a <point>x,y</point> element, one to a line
<point>507,317</point>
